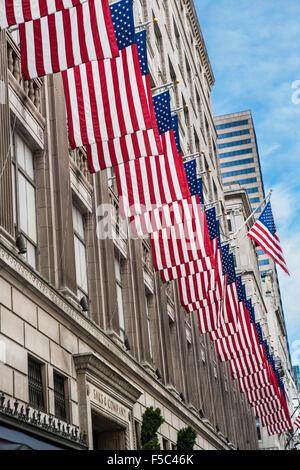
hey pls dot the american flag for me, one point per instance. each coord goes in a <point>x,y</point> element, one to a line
<point>279,427</point>
<point>259,395</point>
<point>142,193</point>
<point>67,38</point>
<point>102,155</point>
<point>297,422</point>
<point>147,183</point>
<point>106,99</point>
<point>14,12</point>
<point>264,233</point>
<point>175,127</point>
<point>259,379</point>
<point>181,243</point>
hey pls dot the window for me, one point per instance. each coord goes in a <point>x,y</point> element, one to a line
<point>229,223</point>
<point>245,181</point>
<point>252,190</point>
<point>148,300</point>
<point>166,444</point>
<point>260,252</point>
<point>258,429</point>
<point>238,172</point>
<point>118,266</point>
<point>235,143</point>
<point>237,162</point>
<point>233,134</point>
<point>24,196</point>
<point>80,252</point>
<point>35,384</point>
<point>232,124</point>
<point>59,396</point>
<point>137,429</point>
<point>236,153</point>
<point>263,262</point>
<point>253,200</point>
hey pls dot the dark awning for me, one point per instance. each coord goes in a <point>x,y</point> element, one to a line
<point>10,439</point>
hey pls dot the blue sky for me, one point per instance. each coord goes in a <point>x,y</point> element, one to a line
<point>254,48</point>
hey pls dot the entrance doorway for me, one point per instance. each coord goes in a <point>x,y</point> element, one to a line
<point>107,435</point>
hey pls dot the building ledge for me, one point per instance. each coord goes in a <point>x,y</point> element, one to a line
<point>44,427</point>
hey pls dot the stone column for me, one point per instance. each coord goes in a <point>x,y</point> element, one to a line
<point>66,278</point>
<point>6,204</point>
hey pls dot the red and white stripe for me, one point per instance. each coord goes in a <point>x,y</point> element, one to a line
<point>193,267</point>
<point>208,317</point>
<point>14,12</point>
<point>261,394</point>
<point>279,427</point>
<point>106,99</point>
<point>233,347</point>
<point>297,422</point>
<point>244,342</point>
<point>176,212</point>
<point>210,299</point>
<point>196,288</point>
<point>269,243</point>
<point>259,379</point>
<point>181,243</point>
<point>274,418</point>
<point>186,269</point>
<point>267,408</point>
<point>226,329</point>
<point>246,365</point>
<point>147,183</point>
<point>114,152</point>
<point>102,155</point>
<point>67,38</point>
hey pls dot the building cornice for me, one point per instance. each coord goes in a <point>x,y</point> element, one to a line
<point>201,42</point>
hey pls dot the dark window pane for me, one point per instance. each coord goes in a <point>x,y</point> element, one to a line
<point>35,384</point>
<point>59,396</point>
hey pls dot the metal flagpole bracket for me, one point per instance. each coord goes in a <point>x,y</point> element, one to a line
<point>178,110</point>
<point>204,172</point>
<point>166,85</point>
<point>213,203</point>
<point>147,24</point>
<point>193,155</point>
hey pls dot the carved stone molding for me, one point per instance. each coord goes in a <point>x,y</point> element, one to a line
<point>97,367</point>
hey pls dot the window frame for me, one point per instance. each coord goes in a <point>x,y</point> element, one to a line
<point>17,170</point>
<point>41,365</point>
<point>65,385</point>
<point>80,289</point>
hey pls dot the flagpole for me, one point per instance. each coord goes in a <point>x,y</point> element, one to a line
<point>254,212</point>
<point>294,432</point>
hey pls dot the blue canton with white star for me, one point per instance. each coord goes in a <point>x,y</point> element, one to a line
<point>225,256</point>
<point>201,197</point>
<point>240,291</point>
<point>141,41</point>
<point>267,219</point>
<point>231,278</point>
<point>162,107</point>
<point>190,169</point>
<point>123,21</point>
<point>176,132</point>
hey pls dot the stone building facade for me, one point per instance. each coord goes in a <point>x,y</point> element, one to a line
<point>261,292</point>
<point>93,369</point>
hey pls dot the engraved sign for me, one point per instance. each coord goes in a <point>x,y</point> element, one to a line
<point>108,403</point>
